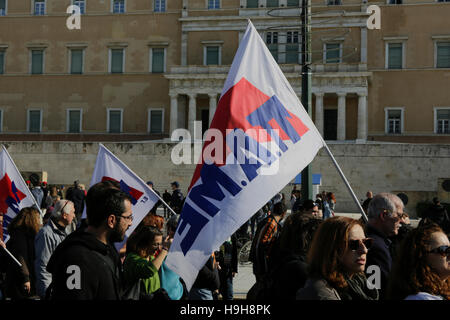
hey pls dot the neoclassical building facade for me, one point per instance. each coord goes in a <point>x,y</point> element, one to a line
<point>137,70</point>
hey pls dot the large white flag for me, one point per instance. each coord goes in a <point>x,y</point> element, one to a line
<point>262,138</point>
<point>109,167</point>
<point>14,192</point>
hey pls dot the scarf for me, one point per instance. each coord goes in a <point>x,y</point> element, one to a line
<point>357,289</point>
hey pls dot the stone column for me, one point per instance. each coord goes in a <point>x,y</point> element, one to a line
<point>363,45</point>
<point>173,112</point>
<point>362,117</point>
<point>319,111</point>
<point>192,113</point>
<point>212,106</point>
<point>341,116</point>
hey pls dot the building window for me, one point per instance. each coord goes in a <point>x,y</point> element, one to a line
<point>395,55</point>
<point>81,4</point>
<point>114,120</point>
<point>442,54</point>
<point>272,44</point>
<point>442,120</point>
<point>160,6</point>
<point>212,55</point>
<point>2,7</point>
<point>293,3</point>
<point>117,60</point>
<point>39,7</point>
<point>157,60</point>
<point>395,1</point>
<point>2,62</point>
<point>118,6</point>
<point>1,120</point>
<point>37,61</point>
<point>34,120</point>
<point>394,121</point>
<point>213,4</point>
<point>292,47</point>
<point>76,61</point>
<point>443,0</point>
<point>334,2</point>
<point>74,118</point>
<point>156,120</point>
<point>332,53</point>
<point>272,3</point>
<point>252,3</point>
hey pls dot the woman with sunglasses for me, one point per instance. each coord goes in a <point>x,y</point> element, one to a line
<point>337,259</point>
<point>422,269</point>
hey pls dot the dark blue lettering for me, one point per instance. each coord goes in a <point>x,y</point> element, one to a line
<point>273,109</point>
<point>196,222</point>
<point>212,176</point>
<point>250,166</point>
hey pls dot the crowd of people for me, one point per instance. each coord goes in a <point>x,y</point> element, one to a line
<point>309,254</point>
<point>54,243</point>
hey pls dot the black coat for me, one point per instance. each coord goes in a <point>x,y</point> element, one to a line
<point>77,196</point>
<point>290,276</point>
<point>208,277</point>
<point>157,204</point>
<point>21,246</point>
<point>176,202</point>
<point>99,266</point>
<point>439,215</point>
<point>380,255</point>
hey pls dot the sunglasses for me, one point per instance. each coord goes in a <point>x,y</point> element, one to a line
<point>442,250</point>
<point>355,244</point>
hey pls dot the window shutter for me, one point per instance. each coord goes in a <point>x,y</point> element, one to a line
<point>157,60</point>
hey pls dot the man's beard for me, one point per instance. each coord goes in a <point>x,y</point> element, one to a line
<point>116,234</point>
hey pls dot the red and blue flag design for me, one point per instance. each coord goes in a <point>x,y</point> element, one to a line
<point>260,138</point>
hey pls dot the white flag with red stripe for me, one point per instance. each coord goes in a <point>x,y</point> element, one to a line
<point>263,138</point>
<point>109,167</point>
<point>14,192</point>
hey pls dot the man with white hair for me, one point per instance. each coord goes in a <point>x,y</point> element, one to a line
<point>384,213</point>
<point>48,238</point>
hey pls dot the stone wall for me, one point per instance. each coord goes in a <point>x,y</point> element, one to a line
<point>409,168</point>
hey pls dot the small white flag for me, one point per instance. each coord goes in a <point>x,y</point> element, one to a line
<point>14,192</point>
<point>109,167</point>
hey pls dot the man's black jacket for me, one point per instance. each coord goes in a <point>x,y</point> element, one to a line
<point>84,260</point>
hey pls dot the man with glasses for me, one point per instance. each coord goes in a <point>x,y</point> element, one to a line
<point>384,213</point>
<point>86,265</point>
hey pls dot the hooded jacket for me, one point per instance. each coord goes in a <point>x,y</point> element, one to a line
<point>84,268</point>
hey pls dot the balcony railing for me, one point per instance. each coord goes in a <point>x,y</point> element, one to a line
<point>316,68</point>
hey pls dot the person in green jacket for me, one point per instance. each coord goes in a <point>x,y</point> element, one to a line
<point>146,252</point>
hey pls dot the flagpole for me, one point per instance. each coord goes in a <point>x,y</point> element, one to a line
<point>10,254</point>
<point>346,182</point>
<point>12,161</point>
<point>306,189</point>
<point>173,212</point>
